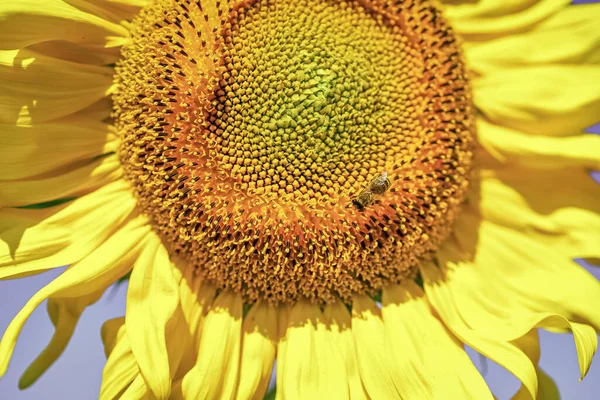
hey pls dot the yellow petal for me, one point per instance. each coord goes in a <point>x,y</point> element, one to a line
<point>81,180</point>
<point>331,358</point>
<point>64,314</point>
<point>497,17</point>
<point>177,391</point>
<point>178,342</point>
<point>259,344</point>
<point>569,36</point>
<point>547,389</point>
<point>427,361</point>
<point>110,261</point>
<point>102,267</point>
<point>110,10</point>
<point>138,390</point>
<point>373,357</point>
<point>568,220</point>
<point>282,325</point>
<point>529,280</point>
<point>25,22</point>
<point>32,241</point>
<point>110,331</point>
<point>215,374</point>
<point>36,88</point>
<point>312,366</point>
<point>28,151</point>
<point>122,378</point>
<point>586,343</point>
<point>530,346</point>
<point>130,3</point>
<point>341,329</point>
<point>196,297</point>
<point>77,53</point>
<point>585,337</point>
<point>98,111</point>
<point>121,368</point>
<point>524,100</point>
<point>521,149</point>
<point>489,316</point>
<point>152,300</point>
<point>503,352</point>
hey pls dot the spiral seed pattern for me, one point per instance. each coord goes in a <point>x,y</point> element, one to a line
<point>247,128</point>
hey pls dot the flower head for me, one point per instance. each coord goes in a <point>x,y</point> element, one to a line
<point>245,137</point>
<point>266,170</point>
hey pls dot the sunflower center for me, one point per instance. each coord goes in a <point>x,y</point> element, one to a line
<point>296,149</point>
<point>302,112</point>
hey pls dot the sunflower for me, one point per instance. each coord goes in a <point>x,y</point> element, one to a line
<point>348,190</point>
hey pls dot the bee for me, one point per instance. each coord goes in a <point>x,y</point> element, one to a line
<point>378,186</point>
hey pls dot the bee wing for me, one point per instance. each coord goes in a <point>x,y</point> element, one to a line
<point>380,180</point>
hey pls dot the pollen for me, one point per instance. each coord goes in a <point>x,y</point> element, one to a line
<point>291,149</point>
